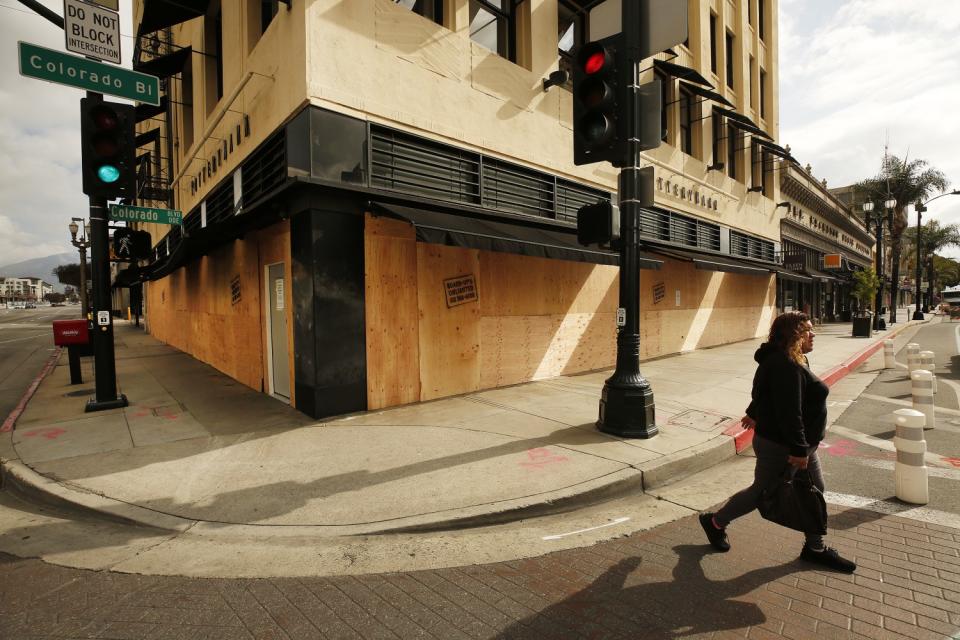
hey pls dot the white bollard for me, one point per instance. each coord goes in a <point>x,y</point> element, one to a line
<point>921,384</point>
<point>913,361</point>
<point>928,363</point>
<point>910,470</point>
<point>913,347</point>
<point>889,360</point>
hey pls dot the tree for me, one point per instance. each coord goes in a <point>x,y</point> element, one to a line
<point>933,238</point>
<point>865,285</point>
<point>907,182</point>
<point>947,271</point>
<point>68,274</point>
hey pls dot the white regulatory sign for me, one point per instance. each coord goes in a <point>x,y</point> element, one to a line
<point>91,30</point>
<point>103,318</point>
<point>621,317</point>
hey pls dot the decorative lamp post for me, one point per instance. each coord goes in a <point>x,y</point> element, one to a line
<point>868,208</point>
<point>81,245</point>
<point>921,207</point>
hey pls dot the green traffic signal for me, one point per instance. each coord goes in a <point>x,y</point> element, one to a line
<point>108,173</point>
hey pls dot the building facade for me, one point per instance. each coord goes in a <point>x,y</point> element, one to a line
<point>380,197</point>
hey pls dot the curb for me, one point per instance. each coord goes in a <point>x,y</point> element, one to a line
<point>743,437</point>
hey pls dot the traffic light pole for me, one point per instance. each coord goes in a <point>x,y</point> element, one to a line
<point>104,361</point>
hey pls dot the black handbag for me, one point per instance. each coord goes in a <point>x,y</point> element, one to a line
<point>793,501</point>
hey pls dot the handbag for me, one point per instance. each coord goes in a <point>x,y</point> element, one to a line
<point>793,501</point>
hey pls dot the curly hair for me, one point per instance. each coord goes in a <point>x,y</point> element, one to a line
<point>786,333</point>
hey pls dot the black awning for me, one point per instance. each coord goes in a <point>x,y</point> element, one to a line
<point>741,122</point>
<point>776,149</point>
<point>159,14</point>
<point>786,274</point>
<point>461,230</point>
<point>167,65</point>
<point>816,274</point>
<point>681,72</point>
<point>704,92</point>
<point>146,138</point>
<point>145,111</point>
<point>714,262</point>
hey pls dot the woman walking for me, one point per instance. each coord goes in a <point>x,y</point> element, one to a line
<point>788,413</point>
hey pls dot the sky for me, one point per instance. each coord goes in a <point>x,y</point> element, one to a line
<point>855,76</point>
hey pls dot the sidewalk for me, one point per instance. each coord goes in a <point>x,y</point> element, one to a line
<point>196,447</point>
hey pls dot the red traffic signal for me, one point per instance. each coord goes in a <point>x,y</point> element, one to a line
<point>598,98</point>
<point>107,136</point>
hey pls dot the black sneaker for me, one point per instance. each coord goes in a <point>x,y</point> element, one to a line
<point>717,537</point>
<point>829,558</point>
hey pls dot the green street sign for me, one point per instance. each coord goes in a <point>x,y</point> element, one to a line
<point>145,214</point>
<point>61,68</point>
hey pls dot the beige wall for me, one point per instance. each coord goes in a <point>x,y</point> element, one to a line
<point>535,318</point>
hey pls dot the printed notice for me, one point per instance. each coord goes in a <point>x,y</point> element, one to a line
<point>460,290</point>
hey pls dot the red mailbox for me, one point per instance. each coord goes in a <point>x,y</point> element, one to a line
<point>67,333</point>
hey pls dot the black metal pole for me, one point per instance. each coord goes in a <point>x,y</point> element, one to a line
<point>84,301</point>
<point>918,314</point>
<point>105,370</point>
<point>878,302</point>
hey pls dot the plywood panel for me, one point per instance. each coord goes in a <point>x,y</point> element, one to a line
<point>392,313</point>
<point>449,337</point>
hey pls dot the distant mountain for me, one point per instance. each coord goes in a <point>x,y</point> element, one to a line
<point>41,268</point>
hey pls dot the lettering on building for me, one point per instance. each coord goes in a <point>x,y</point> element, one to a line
<point>460,290</point>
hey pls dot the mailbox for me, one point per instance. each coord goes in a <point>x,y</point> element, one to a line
<point>68,333</point>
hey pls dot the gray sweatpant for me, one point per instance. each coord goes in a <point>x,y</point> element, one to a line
<point>771,461</point>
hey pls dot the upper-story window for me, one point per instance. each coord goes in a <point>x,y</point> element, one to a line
<point>572,32</point>
<point>491,25</point>
<point>763,93</point>
<point>761,18</point>
<point>730,61</point>
<point>432,9</point>
<point>686,121</point>
<point>213,45</point>
<point>268,9</point>
<point>664,104</point>
<point>713,43</point>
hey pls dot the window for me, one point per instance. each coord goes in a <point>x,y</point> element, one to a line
<point>571,23</point>
<point>732,139</point>
<point>432,9</point>
<point>268,9</point>
<point>751,99</point>
<point>761,16</point>
<point>186,97</point>
<point>767,168</point>
<point>713,42</point>
<point>763,93</point>
<point>213,44</point>
<point>730,65</point>
<point>717,137</point>
<point>491,25</point>
<point>664,105</point>
<point>749,11</point>
<point>686,121</point>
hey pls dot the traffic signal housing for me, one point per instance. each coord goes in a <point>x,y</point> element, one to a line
<point>599,104</point>
<point>107,135</point>
<point>129,244</point>
<point>598,224</point>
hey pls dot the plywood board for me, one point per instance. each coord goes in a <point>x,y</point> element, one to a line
<point>392,313</point>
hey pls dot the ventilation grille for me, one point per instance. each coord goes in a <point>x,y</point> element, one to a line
<point>264,170</point>
<point>668,226</point>
<point>572,196</point>
<point>413,165</point>
<point>750,247</point>
<point>514,189</point>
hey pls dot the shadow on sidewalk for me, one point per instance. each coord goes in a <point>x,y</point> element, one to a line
<point>687,605</point>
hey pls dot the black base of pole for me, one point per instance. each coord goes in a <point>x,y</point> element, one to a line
<point>918,315</point>
<point>119,403</point>
<point>627,410</point>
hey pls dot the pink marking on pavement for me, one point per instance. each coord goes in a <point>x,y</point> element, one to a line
<point>840,448</point>
<point>50,433</point>
<point>540,457</point>
<point>953,461</point>
<point>7,425</point>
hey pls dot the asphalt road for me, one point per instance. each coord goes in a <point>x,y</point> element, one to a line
<point>853,466</point>
<point>26,340</point>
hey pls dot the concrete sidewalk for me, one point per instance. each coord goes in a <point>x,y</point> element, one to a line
<point>195,446</point>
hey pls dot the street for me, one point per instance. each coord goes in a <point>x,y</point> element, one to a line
<point>26,342</point>
<point>662,581</point>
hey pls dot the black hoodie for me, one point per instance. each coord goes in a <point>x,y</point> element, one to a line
<point>789,401</point>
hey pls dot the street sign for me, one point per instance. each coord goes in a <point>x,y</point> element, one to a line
<point>61,68</point>
<point>91,30</point>
<point>145,214</point>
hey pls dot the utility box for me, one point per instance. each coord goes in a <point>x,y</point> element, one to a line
<point>75,335</point>
<point>67,333</point>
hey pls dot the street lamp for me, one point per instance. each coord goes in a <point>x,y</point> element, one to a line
<point>921,207</point>
<point>81,245</point>
<point>868,207</point>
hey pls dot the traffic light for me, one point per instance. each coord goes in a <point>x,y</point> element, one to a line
<point>107,134</point>
<point>600,84</point>
<point>598,224</point>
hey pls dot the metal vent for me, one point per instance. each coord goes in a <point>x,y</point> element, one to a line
<point>511,188</point>
<point>264,170</point>
<point>571,196</point>
<point>406,163</point>
<point>668,226</point>
<point>220,203</point>
<point>750,247</point>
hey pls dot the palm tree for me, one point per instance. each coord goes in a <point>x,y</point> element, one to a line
<point>907,182</point>
<point>933,238</point>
